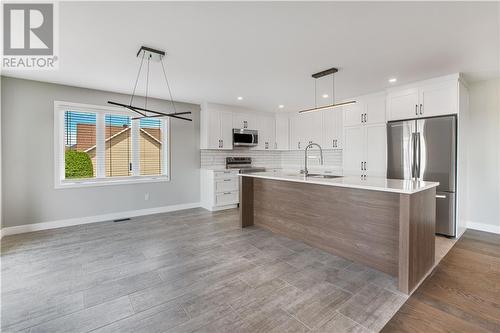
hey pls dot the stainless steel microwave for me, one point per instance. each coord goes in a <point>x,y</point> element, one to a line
<point>245,138</point>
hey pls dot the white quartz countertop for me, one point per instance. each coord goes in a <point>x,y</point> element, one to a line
<point>368,183</point>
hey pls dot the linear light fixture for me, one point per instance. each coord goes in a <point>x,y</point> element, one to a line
<point>316,76</point>
<point>155,55</point>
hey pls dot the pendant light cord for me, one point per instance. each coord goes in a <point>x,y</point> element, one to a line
<point>315,94</point>
<point>136,80</point>
<point>333,89</point>
<point>168,86</point>
<point>147,85</point>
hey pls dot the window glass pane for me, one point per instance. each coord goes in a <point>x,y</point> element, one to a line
<point>118,140</point>
<point>150,147</point>
<point>79,142</point>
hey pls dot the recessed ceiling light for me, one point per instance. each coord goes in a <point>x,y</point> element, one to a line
<point>281,106</point>
<point>392,80</point>
<point>324,95</point>
<point>240,98</point>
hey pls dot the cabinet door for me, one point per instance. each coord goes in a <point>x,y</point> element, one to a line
<point>438,99</point>
<point>376,150</point>
<point>312,128</point>
<point>353,150</point>
<point>402,104</point>
<point>353,113</point>
<point>244,120</point>
<point>271,133</point>
<point>339,128</point>
<point>226,129</point>
<point>375,110</point>
<point>265,125</point>
<point>332,129</point>
<point>329,129</point>
<point>296,132</point>
<point>282,131</point>
<point>213,130</point>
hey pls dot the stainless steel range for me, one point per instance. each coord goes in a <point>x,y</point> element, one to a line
<point>242,163</point>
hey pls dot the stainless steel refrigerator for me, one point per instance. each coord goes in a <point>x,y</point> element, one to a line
<point>425,149</point>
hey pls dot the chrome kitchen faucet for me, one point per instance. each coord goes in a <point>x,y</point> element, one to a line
<point>306,172</point>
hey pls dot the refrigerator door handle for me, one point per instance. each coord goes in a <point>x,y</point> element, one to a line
<point>414,157</point>
<point>419,153</point>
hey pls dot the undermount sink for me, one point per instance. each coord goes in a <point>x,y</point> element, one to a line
<point>319,175</point>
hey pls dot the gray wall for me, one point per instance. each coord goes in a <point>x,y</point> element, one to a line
<point>28,159</point>
<point>484,153</point>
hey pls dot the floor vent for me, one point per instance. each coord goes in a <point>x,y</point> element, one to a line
<point>122,220</point>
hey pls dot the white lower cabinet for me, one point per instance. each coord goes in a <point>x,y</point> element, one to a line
<point>365,150</point>
<point>219,189</point>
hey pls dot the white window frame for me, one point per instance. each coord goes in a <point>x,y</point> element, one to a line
<point>101,180</point>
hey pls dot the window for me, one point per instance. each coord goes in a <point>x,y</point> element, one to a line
<point>102,145</point>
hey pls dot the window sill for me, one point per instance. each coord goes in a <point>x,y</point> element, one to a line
<point>110,181</point>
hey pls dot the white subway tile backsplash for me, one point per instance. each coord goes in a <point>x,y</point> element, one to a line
<point>214,159</point>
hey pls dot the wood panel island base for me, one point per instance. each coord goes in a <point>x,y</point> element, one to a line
<point>383,223</point>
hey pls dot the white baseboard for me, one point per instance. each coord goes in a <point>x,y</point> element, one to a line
<point>93,219</point>
<point>484,227</point>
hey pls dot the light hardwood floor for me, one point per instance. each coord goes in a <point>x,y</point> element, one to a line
<point>187,271</point>
<point>463,293</point>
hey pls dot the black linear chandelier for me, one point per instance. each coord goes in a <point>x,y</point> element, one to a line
<point>316,76</point>
<point>154,55</point>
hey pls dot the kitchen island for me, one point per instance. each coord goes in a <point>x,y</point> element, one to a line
<point>387,224</point>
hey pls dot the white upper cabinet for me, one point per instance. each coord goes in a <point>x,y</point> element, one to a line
<point>332,129</point>
<point>368,109</point>
<point>267,132</point>
<point>226,124</point>
<point>282,132</point>
<point>431,98</point>
<point>244,120</point>
<point>353,113</point>
<point>402,104</point>
<point>297,129</point>
<point>438,99</point>
<point>313,128</point>
<point>216,128</point>
<point>305,128</point>
<point>374,109</point>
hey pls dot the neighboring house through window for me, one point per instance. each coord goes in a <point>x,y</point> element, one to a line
<point>101,145</point>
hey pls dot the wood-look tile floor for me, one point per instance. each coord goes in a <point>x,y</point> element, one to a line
<point>188,271</point>
<point>461,295</point>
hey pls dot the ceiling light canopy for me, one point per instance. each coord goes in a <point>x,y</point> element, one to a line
<point>316,76</point>
<point>155,55</point>
<point>239,98</point>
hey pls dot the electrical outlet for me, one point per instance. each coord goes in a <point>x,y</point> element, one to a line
<point>146,196</point>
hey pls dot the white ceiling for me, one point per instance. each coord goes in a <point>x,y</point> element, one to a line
<point>266,52</point>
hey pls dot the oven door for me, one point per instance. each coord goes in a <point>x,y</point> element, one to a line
<point>245,138</point>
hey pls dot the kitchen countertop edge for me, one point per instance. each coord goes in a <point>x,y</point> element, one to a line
<point>334,182</point>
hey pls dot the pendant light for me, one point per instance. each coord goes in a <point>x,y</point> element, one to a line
<point>316,76</point>
<point>150,55</point>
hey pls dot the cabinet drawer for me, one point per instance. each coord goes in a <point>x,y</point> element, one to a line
<point>226,198</point>
<point>226,174</point>
<point>226,184</point>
